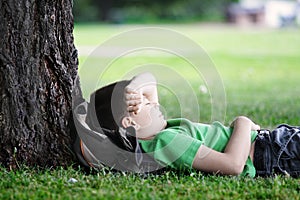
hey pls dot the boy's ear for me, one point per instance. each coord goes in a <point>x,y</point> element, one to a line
<point>128,121</point>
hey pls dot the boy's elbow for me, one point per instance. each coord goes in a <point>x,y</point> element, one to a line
<point>237,168</point>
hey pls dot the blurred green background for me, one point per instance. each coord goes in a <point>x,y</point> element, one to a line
<point>259,67</point>
<point>259,63</point>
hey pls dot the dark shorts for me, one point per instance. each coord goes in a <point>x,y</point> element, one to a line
<point>278,151</point>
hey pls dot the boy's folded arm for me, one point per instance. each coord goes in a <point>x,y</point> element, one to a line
<point>209,160</point>
<point>233,159</point>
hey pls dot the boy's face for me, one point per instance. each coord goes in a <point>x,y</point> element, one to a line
<point>149,119</point>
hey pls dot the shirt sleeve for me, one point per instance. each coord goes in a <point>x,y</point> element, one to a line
<point>173,149</point>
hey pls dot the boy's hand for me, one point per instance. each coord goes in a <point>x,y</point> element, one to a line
<point>255,127</point>
<point>133,100</point>
<point>142,86</point>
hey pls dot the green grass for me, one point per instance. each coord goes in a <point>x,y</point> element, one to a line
<point>54,184</point>
<point>260,71</point>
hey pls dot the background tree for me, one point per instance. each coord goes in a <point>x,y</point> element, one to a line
<point>123,11</point>
<point>157,7</point>
<point>38,66</point>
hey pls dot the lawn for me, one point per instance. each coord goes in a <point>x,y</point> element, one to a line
<point>259,70</point>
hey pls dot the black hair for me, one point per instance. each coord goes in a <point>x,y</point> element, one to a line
<point>108,106</point>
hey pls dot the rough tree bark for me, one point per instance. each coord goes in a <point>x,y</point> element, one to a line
<point>38,66</point>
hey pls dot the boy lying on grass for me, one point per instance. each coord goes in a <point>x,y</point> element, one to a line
<point>241,149</point>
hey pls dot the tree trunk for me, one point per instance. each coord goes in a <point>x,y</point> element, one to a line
<point>38,66</point>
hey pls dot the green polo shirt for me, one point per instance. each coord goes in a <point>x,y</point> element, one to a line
<point>177,145</point>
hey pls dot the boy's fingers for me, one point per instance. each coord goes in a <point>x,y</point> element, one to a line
<point>133,109</point>
<point>130,90</point>
<point>132,96</point>
<point>133,102</point>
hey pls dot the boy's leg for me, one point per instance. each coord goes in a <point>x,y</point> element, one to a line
<point>262,154</point>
